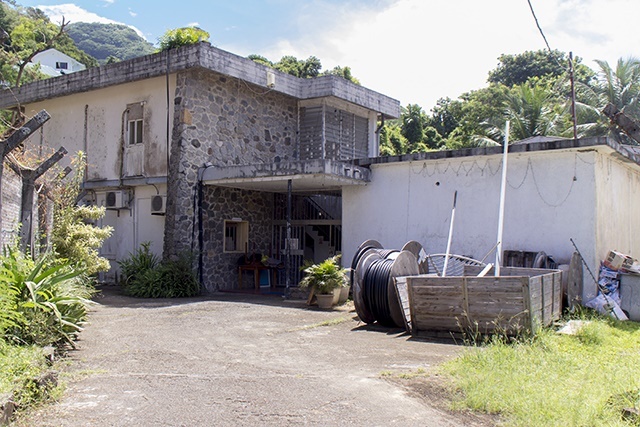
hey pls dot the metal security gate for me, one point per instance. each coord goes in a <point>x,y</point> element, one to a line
<point>316,230</point>
<point>297,251</point>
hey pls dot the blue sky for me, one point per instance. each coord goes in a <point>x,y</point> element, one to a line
<point>413,50</point>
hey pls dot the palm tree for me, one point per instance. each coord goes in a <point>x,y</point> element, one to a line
<point>413,121</point>
<point>533,110</point>
<point>620,87</point>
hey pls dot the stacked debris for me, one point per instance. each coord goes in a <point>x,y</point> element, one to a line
<point>608,300</point>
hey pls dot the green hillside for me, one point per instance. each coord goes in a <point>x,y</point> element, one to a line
<point>108,40</point>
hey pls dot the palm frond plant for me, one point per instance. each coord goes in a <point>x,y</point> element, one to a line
<point>49,300</point>
<point>324,277</point>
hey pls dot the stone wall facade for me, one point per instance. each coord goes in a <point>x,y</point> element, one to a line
<point>220,271</point>
<point>221,121</point>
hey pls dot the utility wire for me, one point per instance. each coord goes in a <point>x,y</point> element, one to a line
<point>542,34</point>
<point>571,71</point>
<point>538,25</point>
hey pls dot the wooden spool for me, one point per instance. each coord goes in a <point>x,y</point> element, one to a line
<point>358,253</point>
<point>421,255</point>
<point>404,264</point>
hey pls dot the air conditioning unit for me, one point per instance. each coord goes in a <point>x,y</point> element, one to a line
<point>158,204</point>
<point>117,199</point>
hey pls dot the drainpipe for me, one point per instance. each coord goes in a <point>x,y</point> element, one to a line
<point>168,109</point>
<point>200,234</point>
<point>197,207</point>
<point>123,140</point>
<point>85,140</point>
<point>376,145</point>
<point>287,260</point>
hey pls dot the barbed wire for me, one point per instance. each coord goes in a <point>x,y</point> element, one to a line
<point>465,168</point>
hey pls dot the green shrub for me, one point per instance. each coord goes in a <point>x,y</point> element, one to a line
<point>144,276</point>
<point>75,238</point>
<point>23,374</point>
<point>182,37</point>
<point>325,276</point>
<point>136,265</point>
<point>48,300</point>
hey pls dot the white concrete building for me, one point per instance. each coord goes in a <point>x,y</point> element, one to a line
<point>586,190</point>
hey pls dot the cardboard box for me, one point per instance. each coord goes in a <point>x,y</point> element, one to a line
<point>617,261</point>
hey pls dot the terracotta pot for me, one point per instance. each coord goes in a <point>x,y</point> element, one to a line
<point>325,301</point>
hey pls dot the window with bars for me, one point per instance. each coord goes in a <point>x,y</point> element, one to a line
<point>331,133</point>
<point>236,236</point>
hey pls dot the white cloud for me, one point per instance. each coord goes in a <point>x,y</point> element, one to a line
<point>108,2</point>
<point>418,51</point>
<point>132,13</point>
<point>73,13</point>
<point>193,24</point>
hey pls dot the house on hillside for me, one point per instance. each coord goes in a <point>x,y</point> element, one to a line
<point>54,63</point>
<point>194,149</point>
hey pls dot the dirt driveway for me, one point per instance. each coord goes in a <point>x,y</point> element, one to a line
<point>243,360</point>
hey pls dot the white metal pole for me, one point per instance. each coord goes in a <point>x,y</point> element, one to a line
<point>453,216</point>
<point>503,192</point>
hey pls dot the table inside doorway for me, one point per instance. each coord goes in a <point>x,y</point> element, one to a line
<point>256,268</point>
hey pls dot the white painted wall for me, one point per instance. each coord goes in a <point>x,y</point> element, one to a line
<point>413,200</point>
<point>133,226</point>
<point>618,205</point>
<point>104,125</point>
<point>105,112</point>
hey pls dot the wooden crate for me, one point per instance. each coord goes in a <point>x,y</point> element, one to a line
<point>521,299</point>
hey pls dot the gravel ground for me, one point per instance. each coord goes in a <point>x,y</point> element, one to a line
<point>245,360</point>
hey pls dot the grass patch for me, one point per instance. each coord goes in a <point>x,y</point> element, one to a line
<point>420,372</point>
<point>330,322</point>
<point>586,379</point>
<point>25,375</point>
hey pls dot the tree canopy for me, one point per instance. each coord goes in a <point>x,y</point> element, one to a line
<point>26,32</point>
<point>518,69</point>
<point>531,90</point>
<point>304,68</point>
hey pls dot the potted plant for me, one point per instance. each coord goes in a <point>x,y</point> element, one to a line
<point>323,278</point>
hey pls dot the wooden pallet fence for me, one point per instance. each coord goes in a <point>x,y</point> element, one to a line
<point>519,300</point>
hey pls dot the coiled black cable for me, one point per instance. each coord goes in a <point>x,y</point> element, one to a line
<point>356,259</point>
<point>376,290</point>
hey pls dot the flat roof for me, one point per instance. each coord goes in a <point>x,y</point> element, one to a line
<point>628,152</point>
<point>306,176</point>
<point>201,55</point>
